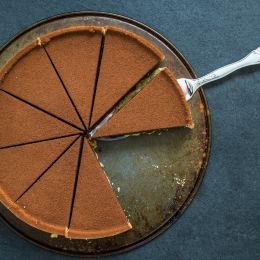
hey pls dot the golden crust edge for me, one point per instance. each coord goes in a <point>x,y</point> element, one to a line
<point>21,214</point>
<point>44,39</point>
<point>189,123</point>
<point>138,38</point>
<point>94,234</point>
<point>41,40</point>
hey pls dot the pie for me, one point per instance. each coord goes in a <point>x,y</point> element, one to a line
<point>55,95</point>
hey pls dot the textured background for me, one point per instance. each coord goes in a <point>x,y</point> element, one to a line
<point>223,221</point>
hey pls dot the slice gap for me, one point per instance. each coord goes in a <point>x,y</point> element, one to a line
<point>159,105</point>
<point>40,109</point>
<point>64,87</point>
<point>46,205</point>
<point>76,180</point>
<point>47,169</point>
<point>39,141</point>
<point>125,99</point>
<point>97,74</point>
<point>126,58</point>
<point>96,211</point>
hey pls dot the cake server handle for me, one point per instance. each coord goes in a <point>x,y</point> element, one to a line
<point>190,86</point>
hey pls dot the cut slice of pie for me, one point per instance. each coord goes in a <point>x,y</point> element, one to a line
<point>30,76</point>
<point>46,205</point>
<point>96,211</point>
<point>31,160</point>
<point>159,105</point>
<point>22,123</point>
<point>75,54</point>
<point>126,59</point>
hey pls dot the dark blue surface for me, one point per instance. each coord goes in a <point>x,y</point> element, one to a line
<point>223,221</point>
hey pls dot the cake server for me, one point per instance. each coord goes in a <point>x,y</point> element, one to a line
<point>190,86</point>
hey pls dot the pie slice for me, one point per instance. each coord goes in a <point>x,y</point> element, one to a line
<point>31,160</point>
<point>96,211</point>
<point>75,54</point>
<point>126,59</point>
<point>21,123</point>
<point>159,105</point>
<point>30,76</point>
<point>47,204</point>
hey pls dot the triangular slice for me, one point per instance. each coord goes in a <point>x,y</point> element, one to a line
<point>21,123</point>
<point>159,105</point>
<point>47,204</point>
<point>20,166</point>
<point>126,59</point>
<point>30,76</point>
<point>96,211</point>
<point>75,53</point>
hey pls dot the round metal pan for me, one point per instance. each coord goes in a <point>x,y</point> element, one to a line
<point>155,176</point>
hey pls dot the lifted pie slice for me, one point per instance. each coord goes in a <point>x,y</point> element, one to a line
<point>30,76</point>
<point>96,211</point>
<point>126,59</point>
<point>47,204</point>
<point>159,105</point>
<point>75,53</point>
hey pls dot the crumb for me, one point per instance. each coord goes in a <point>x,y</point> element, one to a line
<point>201,108</point>
<point>39,41</point>
<point>54,235</point>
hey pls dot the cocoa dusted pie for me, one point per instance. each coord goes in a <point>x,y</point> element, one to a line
<point>55,95</point>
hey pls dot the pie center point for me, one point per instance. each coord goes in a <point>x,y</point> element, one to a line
<point>86,133</point>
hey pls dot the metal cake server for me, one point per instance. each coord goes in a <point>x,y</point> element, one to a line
<point>190,86</point>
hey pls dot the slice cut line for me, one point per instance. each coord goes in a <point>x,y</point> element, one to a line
<point>40,109</point>
<point>75,54</point>
<point>21,123</point>
<point>30,76</point>
<point>100,57</point>
<point>159,105</point>
<point>21,166</point>
<point>96,211</point>
<point>126,59</point>
<point>39,141</point>
<point>46,205</point>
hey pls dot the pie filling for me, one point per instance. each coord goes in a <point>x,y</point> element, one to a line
<point>56,96</point>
